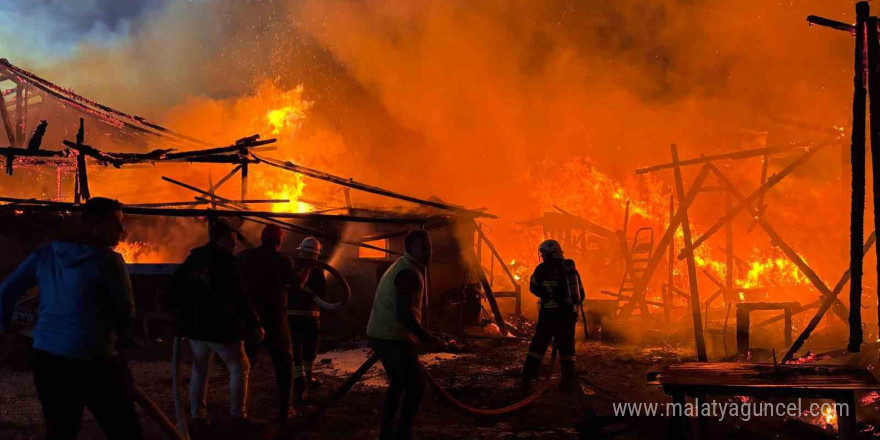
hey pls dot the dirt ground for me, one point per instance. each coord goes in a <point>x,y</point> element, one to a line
<point>485,375</point>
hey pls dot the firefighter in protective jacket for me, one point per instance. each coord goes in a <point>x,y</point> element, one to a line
<point>557,284</point>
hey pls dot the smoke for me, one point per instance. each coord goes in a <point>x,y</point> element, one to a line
<point>471,101</point>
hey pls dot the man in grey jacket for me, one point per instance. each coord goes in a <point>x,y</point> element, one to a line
<point>86,309</point>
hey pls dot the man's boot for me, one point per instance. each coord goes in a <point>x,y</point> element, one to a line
<point>567,381</point>
<point>530,368</point>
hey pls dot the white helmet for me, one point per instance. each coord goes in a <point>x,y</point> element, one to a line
<point>310,245</point>
<point>550,249</point>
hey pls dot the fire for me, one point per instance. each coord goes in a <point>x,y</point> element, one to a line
<point>290,116</point>
<point>289,187</point>
<point>829,414</point>
<point>772,271</point>
<point>139,252</point>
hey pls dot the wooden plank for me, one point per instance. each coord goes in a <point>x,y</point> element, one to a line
<point>691,264</point>
<point>768,376</point>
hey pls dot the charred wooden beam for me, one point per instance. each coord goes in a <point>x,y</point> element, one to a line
<point>81,171</point>
<point>874,84</point>
<point>241,147</point>
<point>628,298</point>
<point>746,202</point>
<point>92,108</point>
<point>666,239</point>
<point>588,225</point>
<point>857,162</point>
<point>827,302</point>
<point>350,183</point>
<point>833,24</point>
<point>692,267</point>
<point>7,124</point>
<point>670,270</point>
<point>493,304</point>
<point>779,242</point>
<point>37,138</point>
<point>745,154</point>
<point>49,206</point>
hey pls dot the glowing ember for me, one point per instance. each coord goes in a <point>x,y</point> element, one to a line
<point>829,414</point>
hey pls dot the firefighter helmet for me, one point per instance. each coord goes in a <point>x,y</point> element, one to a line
<point>550,249</point>
<point>310,245</point>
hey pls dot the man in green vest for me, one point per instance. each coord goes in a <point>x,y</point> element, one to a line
<point>395,328</point>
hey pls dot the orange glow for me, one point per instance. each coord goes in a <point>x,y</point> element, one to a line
<point>139,252</point>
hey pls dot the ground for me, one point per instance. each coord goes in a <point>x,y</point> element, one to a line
<point>485,374</point>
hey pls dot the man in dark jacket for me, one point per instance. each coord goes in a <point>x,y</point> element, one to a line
<point>86,309</point>
<point>557,284</point>
<point>304,316</point>
<point>216,316</point>
<point>266,273</point>
<point>395,328</point>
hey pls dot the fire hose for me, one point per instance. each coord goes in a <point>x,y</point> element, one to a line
<point>496,411</point>
<point>368,364</point>
<point>345,287</point>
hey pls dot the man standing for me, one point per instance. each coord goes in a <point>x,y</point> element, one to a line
<point>86,308</point>
<point>214,313</point>
<point>395,327</point>
<point>266,273</point>
<point>305,316</point>
<point>557,284</point>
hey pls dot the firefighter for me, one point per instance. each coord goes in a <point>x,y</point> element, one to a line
<point>266,273</point>
<point>304,317</point>
<point>557,284</point>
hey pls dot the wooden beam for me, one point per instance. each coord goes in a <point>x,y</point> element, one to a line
<point>350,183</point>
<point>666,239</point>
<point>874,84</point>
<point>833,24</point>
<point>7,125</point>
<point>747,201</point>
<point>48,206</point>
<point>857,163</point>
<point>779,242</point>
<point>670,270</point>
<point>736,155</point>
<point>691,264</point>
<point>826,304</point>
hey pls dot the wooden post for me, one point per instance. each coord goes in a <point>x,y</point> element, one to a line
<point>742,329</point>
<point>692,267</point>
<point>728,244</point>
<point>19,116</point>
<point>874,84</point>
<point>82,176</point>
<point>7,125</point>
<point>244,180</point>
<point>857,161</point>
<point>670,272</point>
